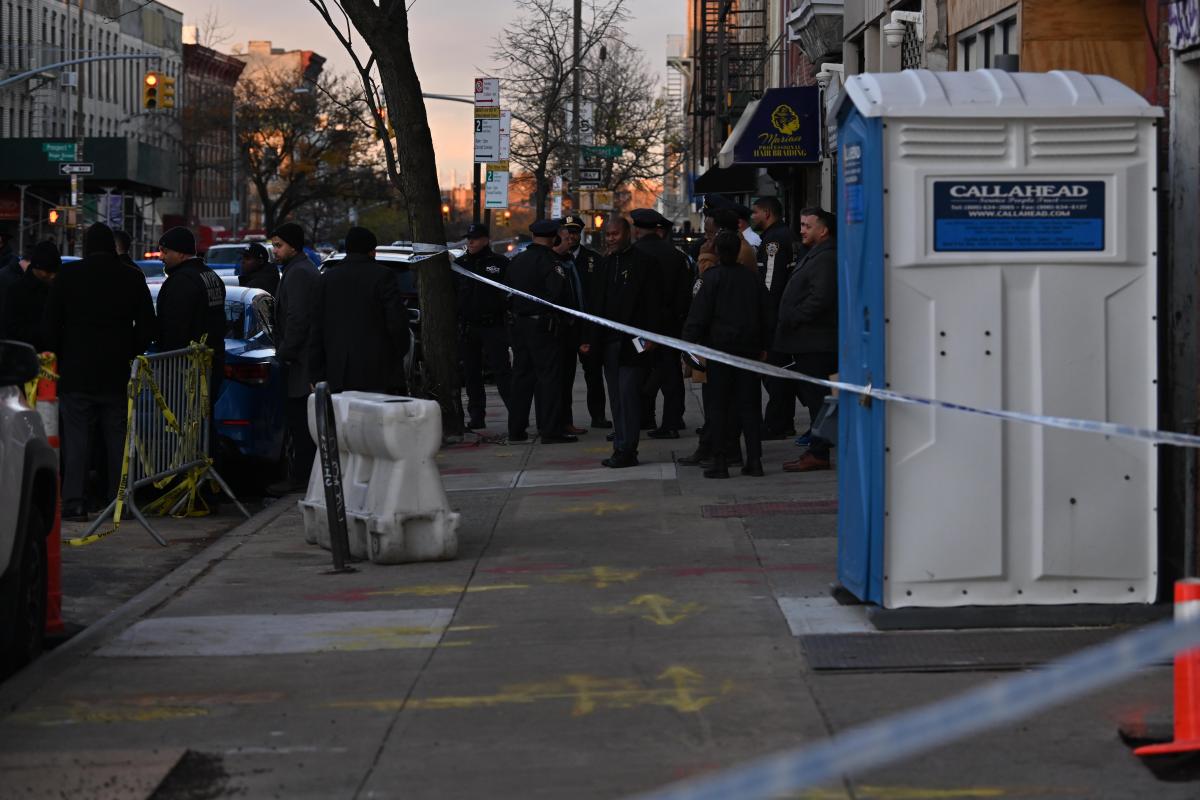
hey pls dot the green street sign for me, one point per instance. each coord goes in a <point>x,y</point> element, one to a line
<point>604,151</point>
<point>59,151</point>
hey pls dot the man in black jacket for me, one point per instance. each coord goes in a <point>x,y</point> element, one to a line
<point>807,329</point>
<point>731,313</point>
<point>652,233</point>
<point>99,316</point>
<point>257,271</point>
<point>24,304</point>
<point>536,338</point>
<point>589,266</point>
<point>776,254</point>
<point>191,302</point>
<point>482,337</point>
<point>293,316</point>
<point>124,245</point>
<point>359,331</point>
<point>632,294</point>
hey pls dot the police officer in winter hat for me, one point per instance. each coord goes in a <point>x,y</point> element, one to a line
<point>482,333</point>
<point>534,332</point>
<point>589,266</point>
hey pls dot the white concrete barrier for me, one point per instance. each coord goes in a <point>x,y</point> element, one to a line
<point>396,508</point>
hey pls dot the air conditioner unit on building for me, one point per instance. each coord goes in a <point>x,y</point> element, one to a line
<point>70,79</point>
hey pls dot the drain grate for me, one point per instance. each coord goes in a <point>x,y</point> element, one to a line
<point>946,651</point>
<point>829,506</point>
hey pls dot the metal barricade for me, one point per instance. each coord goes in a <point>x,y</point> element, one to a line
<point>167,440</point>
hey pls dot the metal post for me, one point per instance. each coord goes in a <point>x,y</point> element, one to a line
<point>76,181</point>
<point>21,221</point>
<point>575,66</point>
<point>331,474</point>
<point>234,204</point>
<point>477,192</point>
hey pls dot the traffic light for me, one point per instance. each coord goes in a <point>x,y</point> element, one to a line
<point>166,91</point>
<point>150,91</point>
<point>55,216</point>
<point>598,221</point>
<point>445,212</point>
<point>507,217</point>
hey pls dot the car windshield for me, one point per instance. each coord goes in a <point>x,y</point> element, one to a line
<point>225,255</point>
<point>235,319</point>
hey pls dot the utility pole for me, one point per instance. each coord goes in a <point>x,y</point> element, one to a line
<point>76,180</point>
<point>234,202</point>
<point>575,62</point>
<point>477,188</point>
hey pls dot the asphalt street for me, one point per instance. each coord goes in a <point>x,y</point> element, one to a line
<point>602,632</point>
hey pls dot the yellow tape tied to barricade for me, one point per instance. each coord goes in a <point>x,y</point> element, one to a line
<point>44,374</point>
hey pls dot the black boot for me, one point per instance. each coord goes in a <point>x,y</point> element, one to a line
<point>753,468</point>
<point>697,458</point>
<point>719,469</point>
<point>621,459</point>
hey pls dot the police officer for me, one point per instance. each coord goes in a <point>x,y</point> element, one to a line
<point>571,334</point>
<point>775,257</point>
<point>257,271</point>
<point>191,302</point>
<point>534,332</point>
<point>731,313</point>
<point>652,234</point>
<point>482,335</point>
<point>23,306</point>
<point>589,267</point>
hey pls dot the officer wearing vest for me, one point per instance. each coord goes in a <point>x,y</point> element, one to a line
<point>482,334</point>
<point>589,267</point>
<point>535,332</point>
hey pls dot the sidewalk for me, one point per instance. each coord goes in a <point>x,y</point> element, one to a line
<point>601,632</point>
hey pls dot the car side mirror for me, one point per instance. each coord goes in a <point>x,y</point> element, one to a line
<point>18,363</point>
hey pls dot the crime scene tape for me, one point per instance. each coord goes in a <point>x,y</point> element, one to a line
<point>1064,423</point>
<point>908,733</point>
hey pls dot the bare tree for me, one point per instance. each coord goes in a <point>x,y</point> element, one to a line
<point>375,35</point>
<point>538,70</point>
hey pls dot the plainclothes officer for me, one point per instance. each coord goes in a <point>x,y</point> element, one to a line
<point>631,294</point>
<point>775,257</point>
<point>535,331</point>
<point>731,313</point>
<point>98,316</point>
<point>124,245</point>
<point>652,230</point>
<point>257,271</point>
<point>807,329</point>
<point>589,266</point>
<point>24,304</point>
<point>571,332</point>
<point>293,315</point>
<point>359,331</point>
<point>482,334</point>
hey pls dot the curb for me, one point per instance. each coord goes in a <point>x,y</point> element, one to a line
<point>17,689</point>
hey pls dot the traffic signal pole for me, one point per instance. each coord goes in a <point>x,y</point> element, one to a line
<point>575,61</point>
<point>477,191</point>
<point>76,180</point>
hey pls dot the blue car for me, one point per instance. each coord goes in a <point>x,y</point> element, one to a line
<point>249,409</point>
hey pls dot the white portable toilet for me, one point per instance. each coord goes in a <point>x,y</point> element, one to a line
<point>997,248</point>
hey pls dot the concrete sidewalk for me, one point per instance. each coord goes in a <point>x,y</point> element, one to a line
<point>602,632</point>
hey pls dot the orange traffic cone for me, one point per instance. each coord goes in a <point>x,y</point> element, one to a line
<point>47,406</point>
<point>1187,681</point>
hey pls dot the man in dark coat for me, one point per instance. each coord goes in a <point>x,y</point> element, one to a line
<point>589,266</point>
<point>124,245</point>
<point>10,265</point>
<point>99,316</point>
<point>482,334</point>
<point>631,294</point>
<point>776,254</point>
<point>293,315</point>
<point>571,336</point>
<point>257,271</point>
<point>807,328</point>
<point>652,232</point>
<point>731,313</point>
<point>359,331</point>
<point>535,334</point>
<point>24,304</point>
<point>191,302</point>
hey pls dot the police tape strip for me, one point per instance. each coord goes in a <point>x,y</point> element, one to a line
<point>894,738</point>
<point>1064,423</point>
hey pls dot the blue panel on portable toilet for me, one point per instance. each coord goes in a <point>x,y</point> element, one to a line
<point>861,359</point>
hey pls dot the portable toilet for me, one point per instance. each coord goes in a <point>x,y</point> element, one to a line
<point>997,248</point>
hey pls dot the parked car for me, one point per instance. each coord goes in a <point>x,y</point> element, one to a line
<point>28,499</point>
<point>227,258</point>
<point>249,410</point>
<point>151,268</point>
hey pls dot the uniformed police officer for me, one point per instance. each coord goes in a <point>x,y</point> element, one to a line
<point>482,334</point>
<point>652,231</point>
<point>534,331</point>
<point>731,313</point>
<point>589,268</point>
<point>570,333</point>
<point>776,255</point>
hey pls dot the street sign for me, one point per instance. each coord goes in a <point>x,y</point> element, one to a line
<point>604,151</point>
<point>587,129</point>
<point>487,92</point>
<point>505,135</point>
<point>59,151</point>
<point>487,135</point>
<point>602,199</point>
<point>496,186</point>
<point>76,168</point>
<point>589,178</point>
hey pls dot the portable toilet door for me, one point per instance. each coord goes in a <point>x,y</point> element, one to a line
<point>997,247</point>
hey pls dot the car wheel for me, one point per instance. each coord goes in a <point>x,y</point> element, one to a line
<point>23,599</point>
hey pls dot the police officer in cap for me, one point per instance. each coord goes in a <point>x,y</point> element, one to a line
<point>534,331</point>
<point>651,232</point>
<point>482,336</point>
<point>589,266</point>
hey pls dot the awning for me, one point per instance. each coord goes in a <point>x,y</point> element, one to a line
<point>121,163</point>
<point>734,180</point>
<point>781,127</point>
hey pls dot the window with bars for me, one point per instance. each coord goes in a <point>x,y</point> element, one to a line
<point>912,49</point>
<point>980,44</point>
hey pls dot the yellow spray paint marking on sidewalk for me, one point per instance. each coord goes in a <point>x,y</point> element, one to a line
<point>599,577</point>
<point>599,508</point>
<point>436,590</point>
<point>681,689</point>
<point>654,608</point>
<point>79,714</point>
